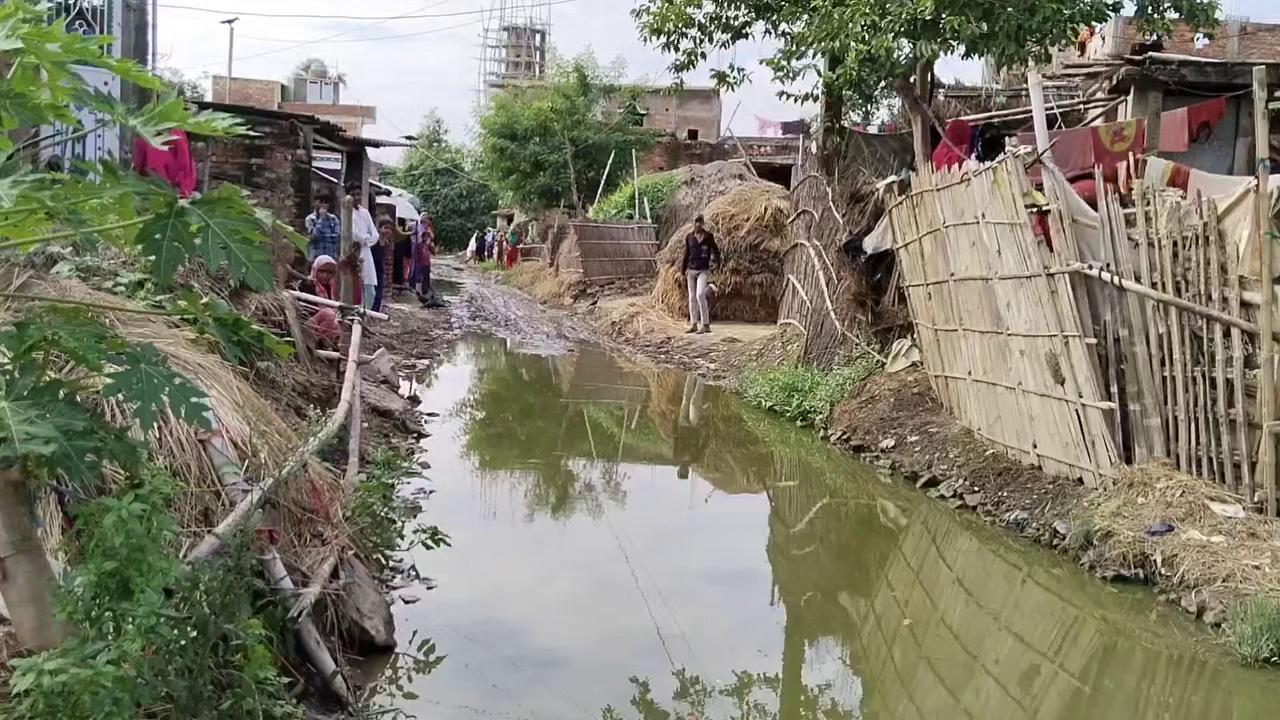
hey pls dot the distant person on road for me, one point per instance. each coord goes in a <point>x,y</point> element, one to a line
<point>324,229</point>
<point>471,246</point>
<point>490,240</point>
<point>700,253</point>
<point>424,248</point>
<point>402,258</point>
<point>364,236</point>
<point>387,236</point>
<point>513,248</point>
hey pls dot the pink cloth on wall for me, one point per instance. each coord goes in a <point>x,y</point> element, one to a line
<point>172,163</point>
<point>1175,134</point>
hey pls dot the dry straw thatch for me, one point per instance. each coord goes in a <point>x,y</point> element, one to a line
<point>750,225</point>
<point>260,438</point>
<point>1207,553</point>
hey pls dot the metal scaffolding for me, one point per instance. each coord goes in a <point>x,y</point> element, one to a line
<point>513,45</point>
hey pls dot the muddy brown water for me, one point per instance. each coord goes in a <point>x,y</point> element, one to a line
<point>616,527</point>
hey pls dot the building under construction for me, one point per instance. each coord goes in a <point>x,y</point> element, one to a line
<point>513,45</point>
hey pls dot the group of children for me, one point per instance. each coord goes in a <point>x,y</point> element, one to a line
<point>491,244</point>
<point>411,255</point>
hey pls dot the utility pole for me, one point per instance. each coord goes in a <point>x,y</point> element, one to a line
<point>155,41</point>
<point>231,48</point>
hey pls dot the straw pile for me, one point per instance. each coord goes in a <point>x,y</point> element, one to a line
<point>260,438</point>
<point>750,226</point>
<point>1206,552</point>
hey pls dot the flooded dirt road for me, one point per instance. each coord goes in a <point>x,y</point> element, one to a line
<point>622,533</point>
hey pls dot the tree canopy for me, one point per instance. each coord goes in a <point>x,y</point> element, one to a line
<point>444,175</point>
<point>548,144</point>
<point>855,54</point>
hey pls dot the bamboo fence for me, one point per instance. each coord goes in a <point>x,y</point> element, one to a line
<point>604,252</point>
<point>1002,337</point>
<point>1148,352</point>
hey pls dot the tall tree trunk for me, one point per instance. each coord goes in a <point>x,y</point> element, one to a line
<point>573,176</point>
<point>916,95</point>
<point>26,578</point>
<point>831,133</point>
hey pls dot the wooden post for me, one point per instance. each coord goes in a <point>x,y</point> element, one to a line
<point>346,280</point>
<point>1035,88</point>
<point>1262,154</point>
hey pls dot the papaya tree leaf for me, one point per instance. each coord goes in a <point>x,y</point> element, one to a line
<point>148,384</point>
<point>168,239</point>
<point>231,237</point>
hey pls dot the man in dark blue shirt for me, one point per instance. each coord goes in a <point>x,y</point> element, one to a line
<point>700,252</point>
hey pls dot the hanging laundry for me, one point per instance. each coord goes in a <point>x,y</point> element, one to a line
<point>1113,142</point>
<point>1175,136</point>
<point>171,163</point>
<point>1203,117</point>
<point>955,148</point>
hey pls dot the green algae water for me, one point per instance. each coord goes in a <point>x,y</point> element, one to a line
<point>631,543</point>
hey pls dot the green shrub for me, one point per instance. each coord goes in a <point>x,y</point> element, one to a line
<point>153,640</point>
<point>804,394</point>
<point>620,204</point>
<point>1253,630</point>
<point>381,521</point>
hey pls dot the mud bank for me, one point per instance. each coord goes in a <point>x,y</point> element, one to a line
<point>895,421</point>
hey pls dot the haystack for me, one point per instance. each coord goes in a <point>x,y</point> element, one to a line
<point>749,220</point>
<point>259,436</point>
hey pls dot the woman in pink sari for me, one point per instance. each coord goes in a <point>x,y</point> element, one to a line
<point>324,323</point>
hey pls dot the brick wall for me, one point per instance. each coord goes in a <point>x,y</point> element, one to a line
<point>264,94</point>
<point>274,166</point>
<point>1232,40</point>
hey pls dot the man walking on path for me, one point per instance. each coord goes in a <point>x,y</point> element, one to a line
<point>364,235</point>
<point>700,251</point>
<point>324,230</point>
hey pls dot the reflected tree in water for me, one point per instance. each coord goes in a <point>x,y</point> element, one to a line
<point>517,425</point>
<point>751,696</point>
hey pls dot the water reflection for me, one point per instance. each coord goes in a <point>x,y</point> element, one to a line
<point>880,603</point>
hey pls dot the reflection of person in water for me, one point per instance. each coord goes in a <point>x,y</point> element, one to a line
<point>689,438</point>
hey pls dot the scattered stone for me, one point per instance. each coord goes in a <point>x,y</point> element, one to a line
<point>1016,519</point>
<point>1159,529</point>
<point>955,503</point>
<point>973,500</point>
<point>913,439</point>
<point>1215,613</point>
<point>409,598</point>
<point>886,445</point>
<point>884,463</point>
<point>431,414</point>
<point>429,584</point>
<point>424,464</point>
<point>397,583</point>
<point>384,364</point>
<point>1192,604</point>
<point>1063,528</point>
<point>365,614</point>
<point>1232,511</point>
<point>383,402</point>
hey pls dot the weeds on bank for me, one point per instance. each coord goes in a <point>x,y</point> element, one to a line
<point>151,639</point>
<point>381,521</point>
<point>1253,630</point>
<point>803,394</point>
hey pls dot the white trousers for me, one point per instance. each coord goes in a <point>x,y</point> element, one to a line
<point>699,313</point>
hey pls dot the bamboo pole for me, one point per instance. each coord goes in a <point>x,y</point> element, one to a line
<point>635,181</point>
<point>258,494</point>
<point>1149,318</point>
<point>308,635</point>
<point>1262,144</point>
<point>1222,407</point>
<point>1238,377</point>
<point>344,306</point>
<point>1206,409</point>
<point>603,179</point>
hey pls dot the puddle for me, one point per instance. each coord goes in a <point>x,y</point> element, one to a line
<point>611,522</point>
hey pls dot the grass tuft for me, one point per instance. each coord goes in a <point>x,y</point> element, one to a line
<point>1253,630</point>
<point>803,394</point>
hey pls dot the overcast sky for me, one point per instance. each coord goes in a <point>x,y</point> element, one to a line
<point>433,63</point>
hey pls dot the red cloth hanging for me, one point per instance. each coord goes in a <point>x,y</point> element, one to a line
<point>1203,117</point>
<point>1175,136</point>
<point>959,133</point>
<point>171,163</point>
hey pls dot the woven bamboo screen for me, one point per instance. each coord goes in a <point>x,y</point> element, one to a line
<point>999,328</point>
<point>613,252</point>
